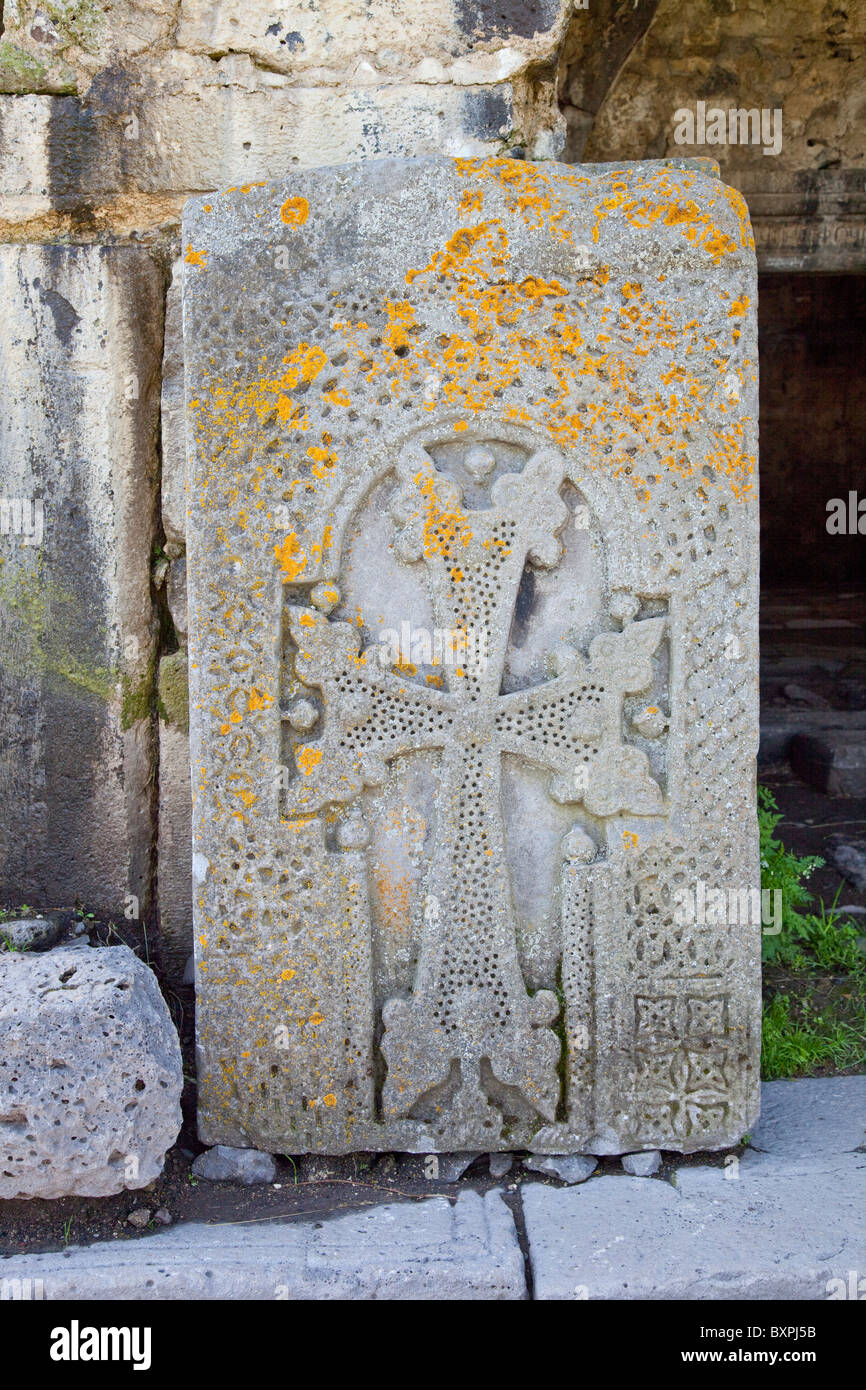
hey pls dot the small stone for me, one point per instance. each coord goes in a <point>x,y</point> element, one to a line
<point>453,1166</point>
<point>500,1164</point>
<point>139,1218</point>
<point>803,696</point>
<point>849,857</point>
<point>226,1164</point>
<point>569,1168</point>
<point>189,971</point>
<point>162,1217</point>
<point>642,1165</point>
<point>28,934</point>
<point>386,1166</point>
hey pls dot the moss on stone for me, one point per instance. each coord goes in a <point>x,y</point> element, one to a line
<point>22,72</point>
<point>136,695</point>
<point>79,21</point>
<point>40,650</point>
<point>20,68</point>
<point>173,690</point>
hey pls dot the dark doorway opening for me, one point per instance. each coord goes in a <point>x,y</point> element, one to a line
<point>812,337</point>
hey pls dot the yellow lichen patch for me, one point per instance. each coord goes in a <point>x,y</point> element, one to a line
<point>739,307</point>
<point>290,557</point>
<point>330,1100</point>
<point>471,200</point>
<point>316,1018</point>
<point>317,551</point>
<point>323,458</point>
<point>482,239</point>
<point>660,199</point>
<point>288,974</point>
<point>258,700</point>
<point>731,462</point>
<point>533,288</point>
<point>196,257</point>
<point>445,532</point>
<point>530,191</point>
<point>308,758</point>
<point>401,317</point>
<point>303,364</point>
<point>295,212</point>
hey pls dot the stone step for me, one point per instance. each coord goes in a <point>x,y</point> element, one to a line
<point>779,727</point>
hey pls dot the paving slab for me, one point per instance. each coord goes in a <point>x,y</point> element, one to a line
<point>771,1228</point>
<point>813,1115</point>
<point>413,1251</point>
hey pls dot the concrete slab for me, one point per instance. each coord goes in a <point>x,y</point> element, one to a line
<point>769,1228</point>
<point>812,1116</point>
<point>428,1250</point>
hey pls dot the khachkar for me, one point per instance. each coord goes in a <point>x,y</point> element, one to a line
<point>473,592</point>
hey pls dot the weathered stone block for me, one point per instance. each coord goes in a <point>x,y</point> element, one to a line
<point>472,596</point>
<point>90,1073</point>
<point>834,760</point>
<point>173,422</point>
<point>206,125</point>
<point>79,377</point>
<point>174,876</point>
<point>434,1250</point>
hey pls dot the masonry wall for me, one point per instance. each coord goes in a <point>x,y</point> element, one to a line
<point>110,119</point>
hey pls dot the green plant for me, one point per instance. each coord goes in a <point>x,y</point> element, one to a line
<point>67,1230</point>
<point>832,944</point>
<point>785,872</point>
<point>798,1040</point>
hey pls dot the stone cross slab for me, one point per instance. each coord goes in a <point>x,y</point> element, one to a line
<point>437,903</point>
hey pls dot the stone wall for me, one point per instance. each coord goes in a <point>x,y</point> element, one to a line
<point>110,119</point>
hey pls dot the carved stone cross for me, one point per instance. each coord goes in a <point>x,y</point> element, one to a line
<point>436,903</point>
<point>470,1002</point>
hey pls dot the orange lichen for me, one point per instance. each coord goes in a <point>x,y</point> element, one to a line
<point>308,758</point>
<point>295,212</point>
<point>290,557</point>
